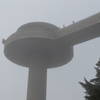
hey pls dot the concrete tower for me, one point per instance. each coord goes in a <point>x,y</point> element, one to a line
<point>41,45</point>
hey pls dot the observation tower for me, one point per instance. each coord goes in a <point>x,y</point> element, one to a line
<point>40,45</point>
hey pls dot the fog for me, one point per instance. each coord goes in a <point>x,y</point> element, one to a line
<point>62,82</point>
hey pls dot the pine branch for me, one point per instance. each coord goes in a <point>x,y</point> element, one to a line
<point>92,87</point>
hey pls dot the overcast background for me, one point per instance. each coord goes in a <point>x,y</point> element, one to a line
<point>62,83</point>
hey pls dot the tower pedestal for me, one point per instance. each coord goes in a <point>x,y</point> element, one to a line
<point>37,83</point>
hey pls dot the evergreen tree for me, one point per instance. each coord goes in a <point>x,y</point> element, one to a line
<point>92,87</point>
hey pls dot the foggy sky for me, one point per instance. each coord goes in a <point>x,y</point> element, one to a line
<point>62,82</point>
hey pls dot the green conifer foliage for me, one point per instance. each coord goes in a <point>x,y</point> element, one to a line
<point>92,87</point>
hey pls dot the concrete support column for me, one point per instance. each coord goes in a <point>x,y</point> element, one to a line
<point>37,83</point>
